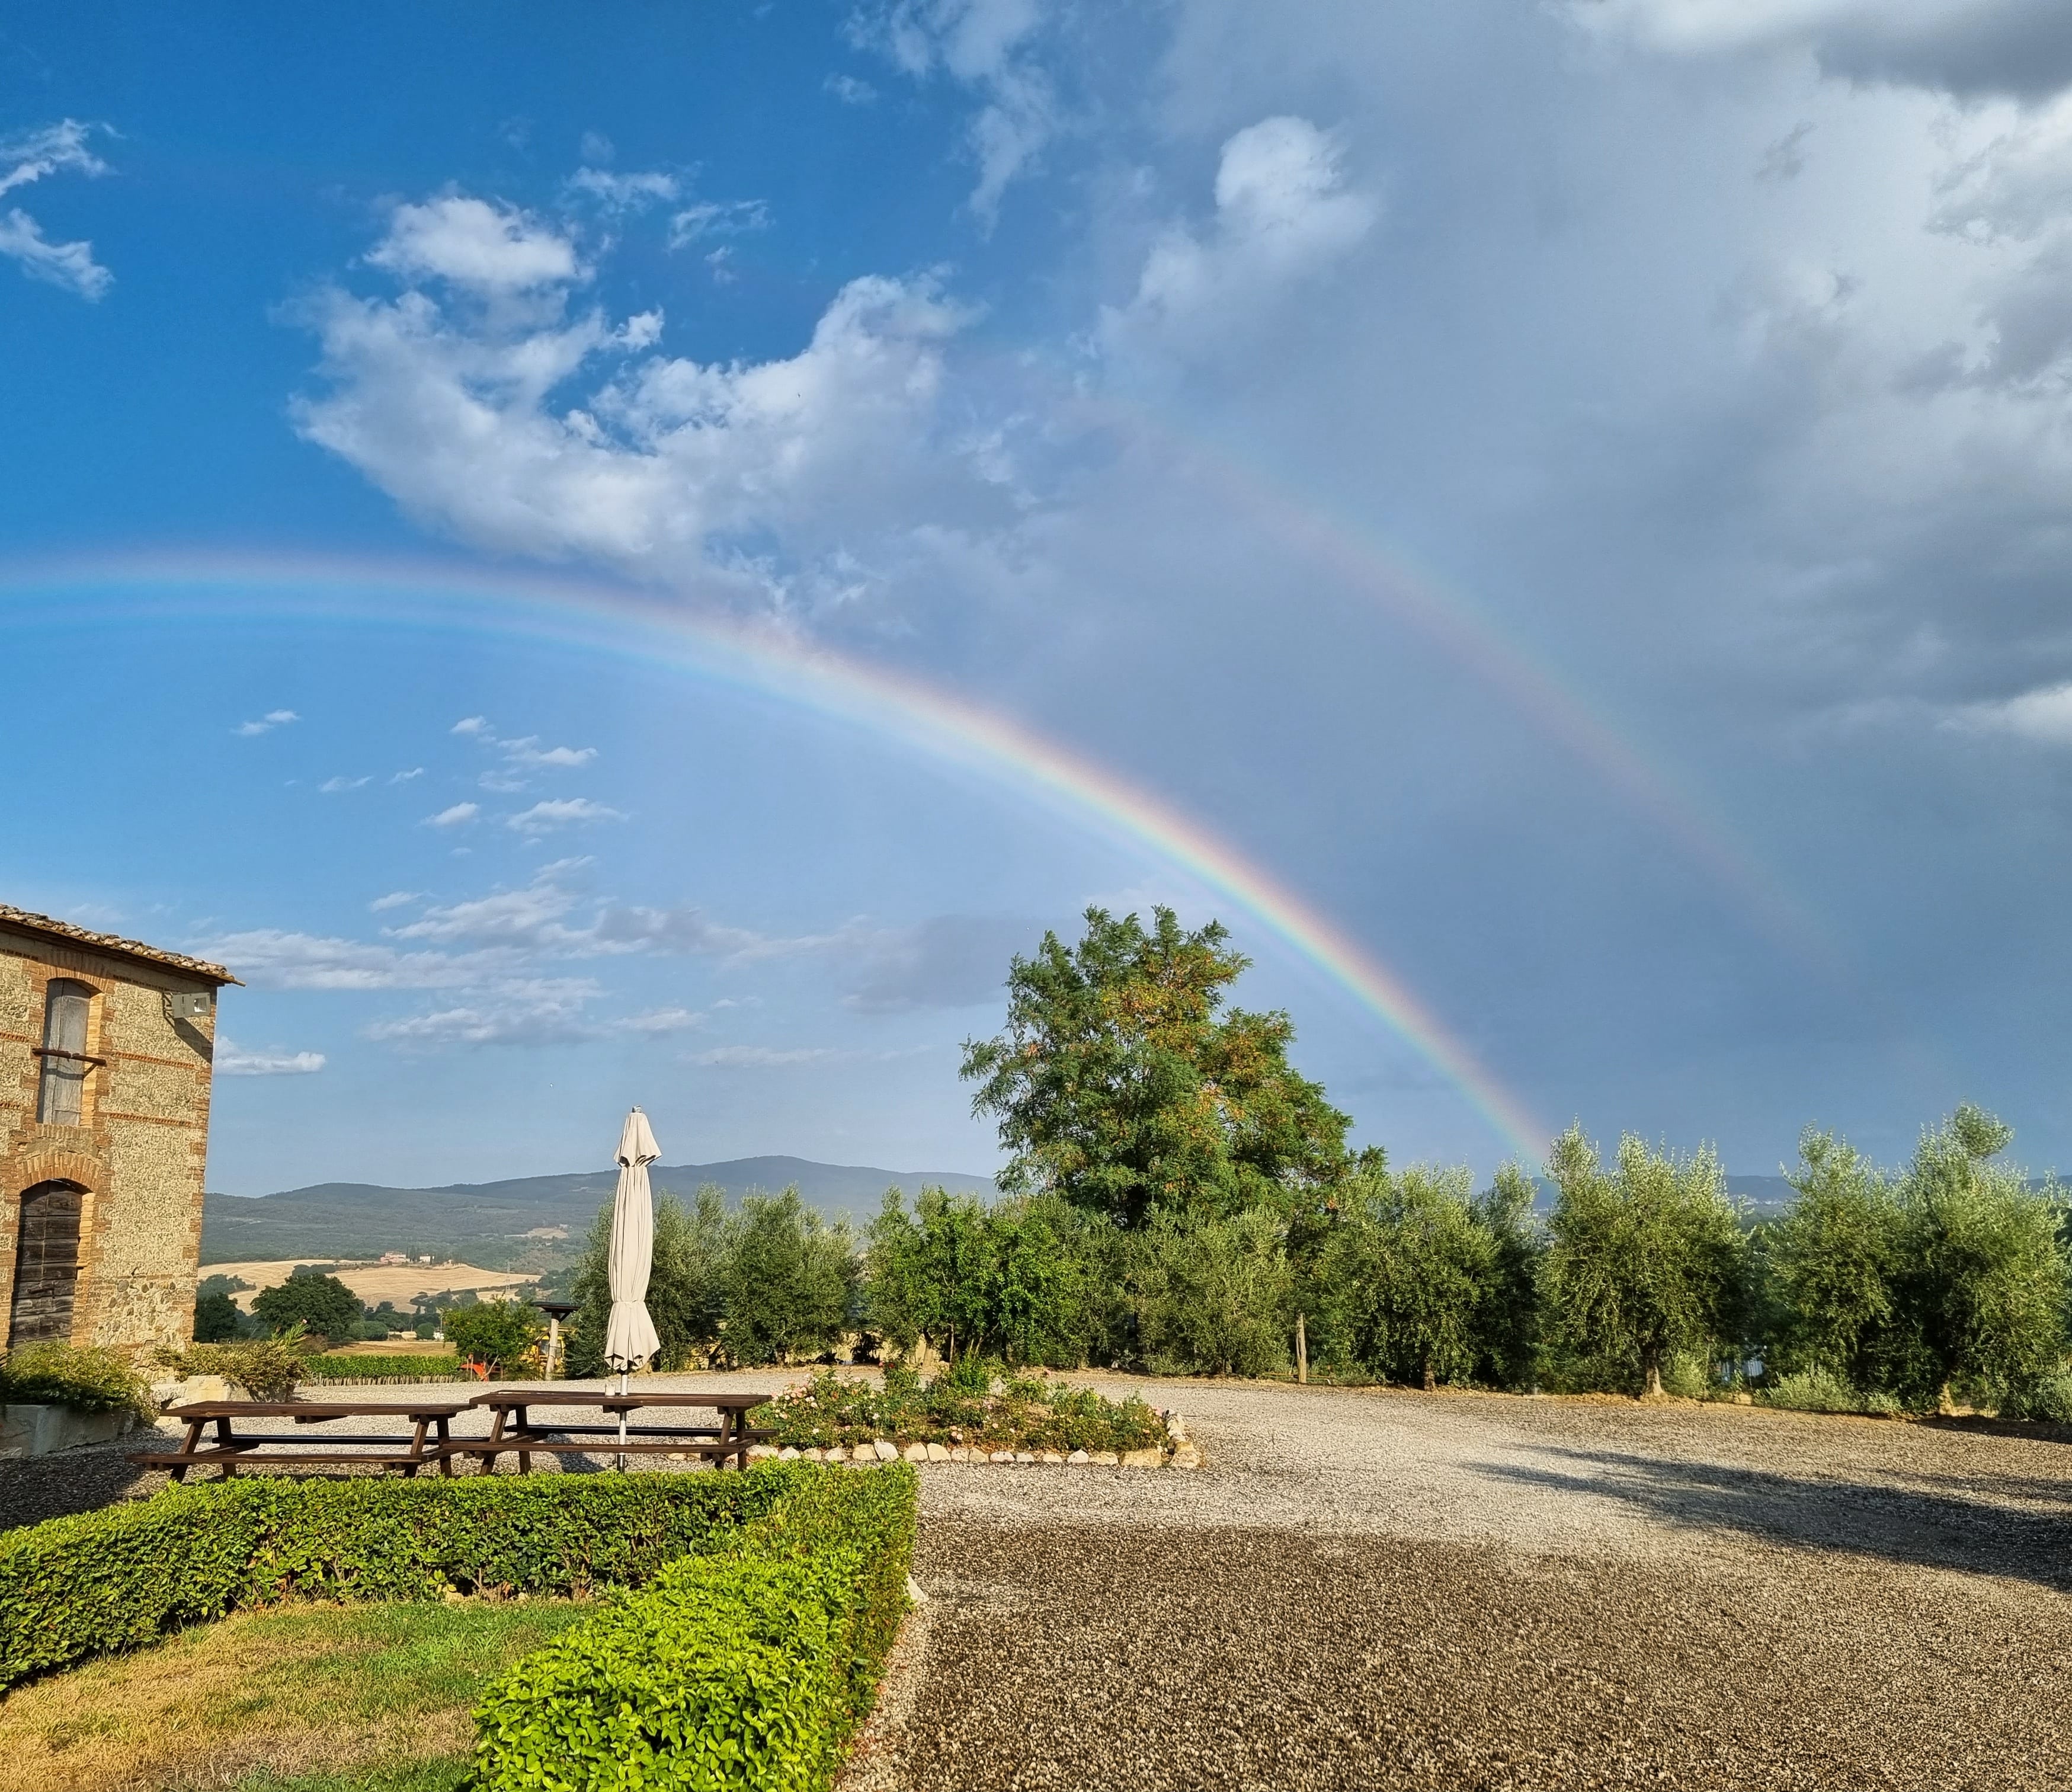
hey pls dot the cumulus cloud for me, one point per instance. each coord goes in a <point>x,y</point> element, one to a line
<point>266,724</point>
<point>620,192</point>
<point>26,159</point>
<point>2042,716</point>
<point>717,218</point>
<point>482,247</point>
<point>274,959</point>
<point>233,1060</point>
<point>1285,212</point>
<point>850,91</point>
<point>486,403</point>
<point>455,815</point>
<point>396,898</point>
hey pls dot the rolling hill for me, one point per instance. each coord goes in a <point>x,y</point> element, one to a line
<point>487,1223</point>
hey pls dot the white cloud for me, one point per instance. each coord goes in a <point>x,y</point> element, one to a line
<point>762,1057</point>
<point>849,90</point>
<point>396,898</point>
<point>625,192</point>
<point>986,45</point>
<point>1285,212</point>
<point>538,1011</point>
<point>25,159</point>
<point>529,428</point>
<point>331,785</point>
<point>405,777</point>
<point>471,724</point>
<point>456,815</point>
<point>2044,716</point>
<point>561,812</point>
<point>274,959</point>
<point>529,752</point>
<point>662,1020</point>
<point>714,218</point>
<point>488,249</point>
<point>232,1060</point>
<point>267,723</point>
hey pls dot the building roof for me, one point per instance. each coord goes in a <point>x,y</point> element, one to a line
<point>26,923</point>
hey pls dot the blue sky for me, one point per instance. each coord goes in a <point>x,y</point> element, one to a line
<point>1576,494</point>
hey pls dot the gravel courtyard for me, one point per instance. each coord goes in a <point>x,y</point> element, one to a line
<point>1366,1588</point>
<point>1382,1588</point>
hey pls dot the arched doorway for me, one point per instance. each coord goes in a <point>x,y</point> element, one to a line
<point>46,1263</point>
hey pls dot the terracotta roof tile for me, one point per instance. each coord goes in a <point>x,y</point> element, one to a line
<point>27,922</point>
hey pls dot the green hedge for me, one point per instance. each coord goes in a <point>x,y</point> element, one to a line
<point>403,1365</point>
<point>112,1579</point>
<point>750,1666</point>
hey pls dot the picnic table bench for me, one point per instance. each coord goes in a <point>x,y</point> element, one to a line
<point>514,1429</point>
<point>428,1442</point>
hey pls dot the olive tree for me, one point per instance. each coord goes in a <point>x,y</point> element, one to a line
<point>1644,1260</point>
<point>1836,1260</point>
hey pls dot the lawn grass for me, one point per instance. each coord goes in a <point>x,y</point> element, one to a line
<point>310,1698</point>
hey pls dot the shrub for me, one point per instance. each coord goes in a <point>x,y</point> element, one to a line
<point>370,1367</point>
<point>1215,1297</point>
<point>1819,1390</point>
<point>86,1376</point>
<point>2047,1400</point>
<point>112,1579</point>
<point>748,1666</point>
<point>266,1368</point>
<point>958,1407</point>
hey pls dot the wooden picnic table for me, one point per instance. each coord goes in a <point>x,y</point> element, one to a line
<point>428,1442</point>
<point>514,1429</point>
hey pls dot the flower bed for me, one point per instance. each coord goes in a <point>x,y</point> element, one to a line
<point>960,1409</point>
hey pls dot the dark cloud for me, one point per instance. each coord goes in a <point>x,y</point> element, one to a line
<point>947,961</point>
<point>2019,49</point>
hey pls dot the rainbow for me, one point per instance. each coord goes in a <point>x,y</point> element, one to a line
<point>602,618</point>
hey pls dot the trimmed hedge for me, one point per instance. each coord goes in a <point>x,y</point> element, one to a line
<point>402,1365</point>
<point>122,1575</point>
<point>750,1666</point>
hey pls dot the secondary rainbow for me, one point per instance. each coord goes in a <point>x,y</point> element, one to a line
<point>609,620</point>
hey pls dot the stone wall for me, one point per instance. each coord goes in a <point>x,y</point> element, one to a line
<point>140,1151</point>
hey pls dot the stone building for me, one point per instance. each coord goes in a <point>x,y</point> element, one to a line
<point>106,1054</point>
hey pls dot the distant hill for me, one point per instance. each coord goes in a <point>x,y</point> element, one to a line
<point>487,1222</point>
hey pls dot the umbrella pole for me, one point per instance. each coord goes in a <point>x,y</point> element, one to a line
<point>622,1424</point>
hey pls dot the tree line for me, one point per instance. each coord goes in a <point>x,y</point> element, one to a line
<point>1179,1198</point>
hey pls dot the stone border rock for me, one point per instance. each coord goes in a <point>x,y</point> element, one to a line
<point>1178,1451</point>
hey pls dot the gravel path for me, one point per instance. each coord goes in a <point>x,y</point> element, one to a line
<point>1370,1588</point>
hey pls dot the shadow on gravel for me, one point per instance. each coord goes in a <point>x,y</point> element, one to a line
<point>77,1480</point>
<point>1916,1526</point>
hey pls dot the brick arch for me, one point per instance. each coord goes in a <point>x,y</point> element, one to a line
<point>39,1167</point>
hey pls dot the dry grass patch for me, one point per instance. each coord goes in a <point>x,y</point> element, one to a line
<point>266,1696</point>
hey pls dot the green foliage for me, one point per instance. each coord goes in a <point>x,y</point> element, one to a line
<point>1032,1280</point>
<point>83,1376</point>
<point>1117,1086</point>
<point>771,1284</point>
<point>266,1368</point>
<point>216,1319</point>
<point>790,1280</point>
<point>1643,1261</point>
<point>968,1403</point>
<point>123,1574</point>
<point>322,1303</point>
<point>1984,1279</point>
<point>503,1336</point>
<point>1820,1389</point>
<point>1835,1259</point>
<point>747,1667</point>
<point>1214,1297</point>
<point>1407,1275</point>
<point>1509,1349</point>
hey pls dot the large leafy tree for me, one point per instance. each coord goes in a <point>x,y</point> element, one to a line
<point>1121,1085</point>
<point>1835,1261</point>
<point>322,1302</point>
<point>1644,1260</point>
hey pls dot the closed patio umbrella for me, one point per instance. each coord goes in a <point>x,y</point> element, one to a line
<point>629,1335</point>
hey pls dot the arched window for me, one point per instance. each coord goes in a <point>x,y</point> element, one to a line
<point>46,1264</point>
<point>65,1063</point>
